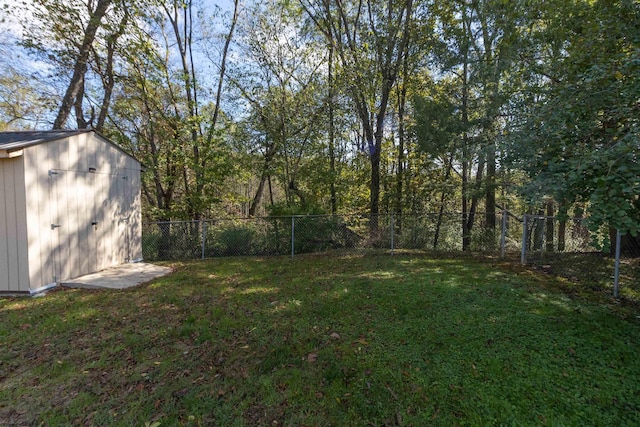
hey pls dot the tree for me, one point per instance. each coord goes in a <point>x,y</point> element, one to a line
<point>161,117</point>
<point>370,40</point>
<point>280,80</point>
<point>24,102</point>
<point>476,49</point>
<point>580,140</point>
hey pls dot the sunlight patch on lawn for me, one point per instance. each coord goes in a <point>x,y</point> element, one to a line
<point>82,313</point>
<point>15,306</point>
<point>378,275</point>
<point>259,290</point>
<point>340,293</point>
<point>289,305</point>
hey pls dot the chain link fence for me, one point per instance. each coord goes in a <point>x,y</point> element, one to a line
<point>602,260</point>
<point>292,235</point>
<point>561,247</point>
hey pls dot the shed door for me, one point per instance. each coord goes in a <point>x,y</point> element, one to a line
<point>86,217</point>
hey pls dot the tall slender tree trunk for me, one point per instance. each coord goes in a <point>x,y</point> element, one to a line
<point>266,175</point>
<point>474,201</point>
<point>402,100</point>
<point>466,236</point>
<point>374,186</point>
<point>80,120</point>
<point>332,131</point>
<point>549,229</point>
<point>108,78</point>
<point>490,196</point>
<point>184,44</point>
<point>259,192</point>
<point>562,227</point>
<point>223,69</point>
<point>443,196</point>
<point>76,85</point>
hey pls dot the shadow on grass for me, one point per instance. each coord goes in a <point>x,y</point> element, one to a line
<point>594,272</point>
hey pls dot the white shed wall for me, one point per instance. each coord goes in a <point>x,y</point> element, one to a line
<point>14,269</point>
<point>62,191</point>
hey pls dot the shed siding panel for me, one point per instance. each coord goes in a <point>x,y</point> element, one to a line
<point>22,240</point>
<point>36,209</point>
<point>15,257</point>
<point>63,196</point>
<point>4,225</point>
<point>42,239</point>
<point>42,236</point>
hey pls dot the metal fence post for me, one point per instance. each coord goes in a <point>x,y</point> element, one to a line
<point>616,275</point>
<point>204,237</point>
<point>293,235</point>
<point>523,255</point>
<point>503,236</point>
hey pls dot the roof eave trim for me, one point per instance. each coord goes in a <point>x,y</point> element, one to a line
<point>7,154</point>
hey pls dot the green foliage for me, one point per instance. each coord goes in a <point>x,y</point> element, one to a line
<point>438,124</point>
<point>579,141</point>
<point>550,86</point>
<point>237,240</point>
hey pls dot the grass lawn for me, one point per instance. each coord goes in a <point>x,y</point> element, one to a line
<point>321,340</point>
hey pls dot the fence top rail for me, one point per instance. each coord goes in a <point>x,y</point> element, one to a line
<point>534,216</point>
<point>362,215</point>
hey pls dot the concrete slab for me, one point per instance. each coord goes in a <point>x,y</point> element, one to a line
<point>119,277</point>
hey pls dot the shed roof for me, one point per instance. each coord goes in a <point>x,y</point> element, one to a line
<point>22,139</point>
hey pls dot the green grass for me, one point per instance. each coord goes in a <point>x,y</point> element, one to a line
<point>327,341</point>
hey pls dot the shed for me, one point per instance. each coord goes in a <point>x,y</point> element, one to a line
<point>69,206</point>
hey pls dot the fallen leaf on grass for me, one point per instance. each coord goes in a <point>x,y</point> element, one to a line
<point>312,357</point>
<point>335,336</point>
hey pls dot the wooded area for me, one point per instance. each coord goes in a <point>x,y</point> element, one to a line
<point>345,106</point>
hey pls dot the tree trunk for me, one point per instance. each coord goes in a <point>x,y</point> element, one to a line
<point>490,197</point>
<point>258,197</point>
<point>108,80</point>
<point>184,44</point>
<point>374,189</point>
<point>474,204</point>
<point>466,237</point>
<point>223,68</point>
<point>401,157</point>
<point>80,121</point>
<point>332,132</point>
<point>562,227</point>
<point>80,67</point>
<point>549,231</point>
<point>538,235</point>
<point>447,175</point>
<point>266,175</point>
